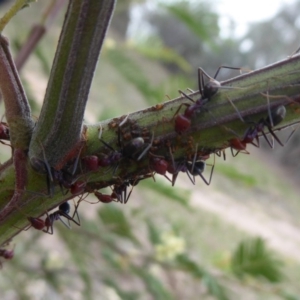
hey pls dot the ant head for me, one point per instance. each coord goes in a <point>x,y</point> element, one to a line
<point>65,207</point>
<point>38,165</point>
<point>277,115</point>
<point>4,131</point>
<point>8,254</point>
<point>133,148</point>
<point>211,88</point>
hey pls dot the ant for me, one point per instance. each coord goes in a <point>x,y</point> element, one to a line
<point>276,115</point>
<point>135,149</point>
<point>183,121</point>
<point>6,254</point>
<point>191,168</point>
<point>63,211</point>
<point>197,167</point>
<point>63,176</point>
<point>4,131</point>
<point>119,191</point>
<point>91,162</point>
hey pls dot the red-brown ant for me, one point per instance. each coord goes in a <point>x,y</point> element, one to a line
<point>63,211</point>
<point>104,198</point>
<point>276,115</point>
<point>4,131</point>
<point>91,162</point>
<point>183,121</point>
<point>6,254</point>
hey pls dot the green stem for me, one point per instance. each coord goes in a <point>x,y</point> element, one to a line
<point>17,109</point>
<point>59,127</point>
<point>15,8</point>
<point>211,130</point>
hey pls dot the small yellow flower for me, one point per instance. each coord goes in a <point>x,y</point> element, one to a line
<point>170,246</point>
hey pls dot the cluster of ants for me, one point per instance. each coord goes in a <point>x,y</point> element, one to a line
<point>138,142</point>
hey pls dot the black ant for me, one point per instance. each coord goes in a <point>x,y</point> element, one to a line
<point>183,121</point>
<point>63,211</point>
<point>135,149</point>
<point>191,168</point>
<point>197,167</point>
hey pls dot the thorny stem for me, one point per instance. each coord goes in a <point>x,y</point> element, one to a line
<point>18,116</point>
<point>209,130</point>
<point>59,127</point>
<point>17,109</point>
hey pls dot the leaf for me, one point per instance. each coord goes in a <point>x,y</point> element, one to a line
<point>159,52</point>
<point>132,73</point>
<point>213,286</point>
<point>123,295</point>
<point>196,20</point>
<point>251,257</point>
<point>154,235</point>
<point>153,285</point>
<point>115,220</point>
<point>182,196</point>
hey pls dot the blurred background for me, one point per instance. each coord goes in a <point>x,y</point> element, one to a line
<point>235,239</point>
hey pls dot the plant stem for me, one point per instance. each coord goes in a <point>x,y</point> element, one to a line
<point>17,109</point>
<point>211,130</point>
<point>59,127</point>
<point>15,8</point>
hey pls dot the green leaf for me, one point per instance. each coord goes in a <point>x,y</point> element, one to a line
<point>197,19</point>
<point>115,220</point>
<point>132,73</point>
<point>191,267</point>
<point>153,285</point>
<point>251,257</point>
<point>123,295</point>
<point>158,52</point>
<point>154,235</point>
<point>213,286</point>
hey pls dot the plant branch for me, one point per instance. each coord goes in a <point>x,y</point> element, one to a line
<point>15,8</point>
<point>211,130</point>
<point>59,127</point>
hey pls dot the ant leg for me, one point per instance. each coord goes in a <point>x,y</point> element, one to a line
<point>194,160</point>
<point>292,133</point>
<point>183,94</point>
<point>69,218</point>
<point>227,67</point>
<point>127,198</point>
<point>201,83</point>
<point>234,154</point>
<point>236,109</point>
<point>211,173</point>
<point>219,153</point>
<point>190,177</point>
<point>146,149</point>
<point>123,121</point>
<point>100,132</point>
